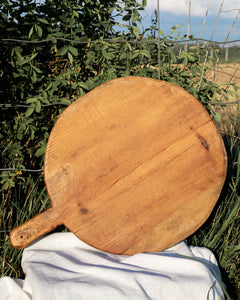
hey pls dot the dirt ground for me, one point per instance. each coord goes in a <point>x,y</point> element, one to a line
<point>227,72</point>
<point>230,114</point>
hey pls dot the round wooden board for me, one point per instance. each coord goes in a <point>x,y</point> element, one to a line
<point>136,165</point>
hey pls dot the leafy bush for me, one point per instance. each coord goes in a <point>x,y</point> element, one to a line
<point>54,52</point>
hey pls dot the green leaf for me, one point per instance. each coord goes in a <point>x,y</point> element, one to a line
<point>43,21</point>
<point>185,61</point>
<point>81,92</point>
<point>144,3</point>
<point>123,55</point>
<point>19,56</point>
<point>34,77</point>
<point>75,14</point>
<point>32,134</point>
<point>36,69</point>
<point>173,57</point>
<point>40,151</point>
<point>146,53</point>
<point>64,82</point>
<point>38,30</point>
<point>20,136</point>
<point>66,101</point>
<point>136,31</point>
<point>126,17</point>
<point>108,55</point>
<point>45,96</point>
<point>38,106</point>
<point>31,100</point>
<point>73,50</point>
<point>30,32</point>
<point>4,16</point>
<point>34,55</point>
<point>111,9</point>
<point>29,111</point>
<point>135,54</point>
<point>8,183</point>
<point>63,50</point>
<point>217,117</point>
<point>70,57</point>
<point>49,86</point>
<point>83,85</point>
<point>190,57</point>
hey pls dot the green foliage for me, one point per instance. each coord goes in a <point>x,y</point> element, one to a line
<point>233,55</point>
<point>73,57</point>
<point>67,48</point>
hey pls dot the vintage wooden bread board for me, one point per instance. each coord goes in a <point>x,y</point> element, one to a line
<point>135,165</point>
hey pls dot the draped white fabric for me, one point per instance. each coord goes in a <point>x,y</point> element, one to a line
<point>60,266</point>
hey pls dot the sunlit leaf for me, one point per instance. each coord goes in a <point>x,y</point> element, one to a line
<point>29,111</point>
<point>40,151</point>
<point>70,57</point>
<point>73,50</point>
<point>38,30</point>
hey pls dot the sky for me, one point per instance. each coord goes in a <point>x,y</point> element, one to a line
<point>176,12</point>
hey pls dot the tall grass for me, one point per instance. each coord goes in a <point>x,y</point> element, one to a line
<point>221,232</point>
<point>18,205</point>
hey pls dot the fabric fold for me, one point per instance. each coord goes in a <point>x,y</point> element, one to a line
<point>60,266</point>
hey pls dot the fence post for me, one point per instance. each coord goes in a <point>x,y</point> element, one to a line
<point>226,54</point>
<point>211,52</point>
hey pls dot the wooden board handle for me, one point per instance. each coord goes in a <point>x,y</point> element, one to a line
<point>36,227</point>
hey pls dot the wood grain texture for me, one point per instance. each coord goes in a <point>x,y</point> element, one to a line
<point>136,165</point>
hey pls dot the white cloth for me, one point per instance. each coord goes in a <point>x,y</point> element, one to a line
<point>60,266</point>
